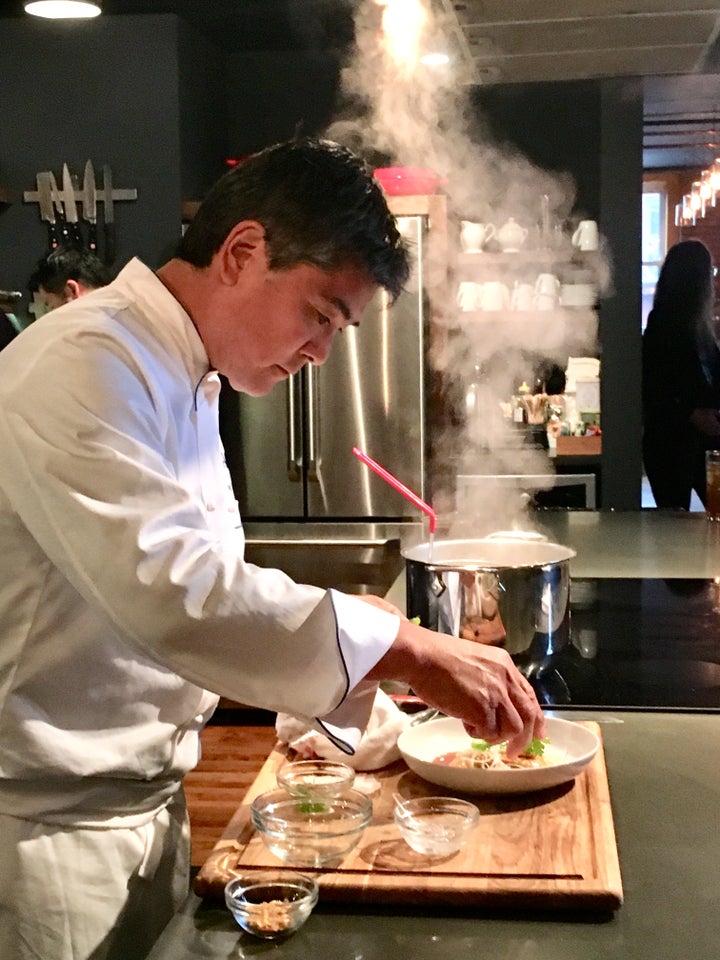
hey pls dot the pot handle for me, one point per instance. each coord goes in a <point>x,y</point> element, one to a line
<point>438,585</point>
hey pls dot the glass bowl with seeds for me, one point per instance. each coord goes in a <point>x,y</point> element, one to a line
<point>271,904</point>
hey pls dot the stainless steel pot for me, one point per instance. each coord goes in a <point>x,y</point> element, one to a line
<point>506,589</point>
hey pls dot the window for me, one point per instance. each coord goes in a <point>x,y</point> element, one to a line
<point>654,232</point>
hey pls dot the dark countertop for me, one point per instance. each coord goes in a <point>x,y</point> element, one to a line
<point>665,793</point>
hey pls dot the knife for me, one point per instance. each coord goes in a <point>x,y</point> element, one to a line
<point>55,193</point>
<point>109,216</point>
<point>90,206</point>
<point>47,209</point>
<point>71,213</point>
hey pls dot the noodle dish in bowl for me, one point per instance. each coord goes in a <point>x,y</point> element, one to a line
<point>441,752</point>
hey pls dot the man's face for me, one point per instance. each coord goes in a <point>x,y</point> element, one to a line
<point>274,322</point>
<point>52,300</point>
<point>71,291</point>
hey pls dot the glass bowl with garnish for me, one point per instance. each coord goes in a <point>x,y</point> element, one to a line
<point>310,832</point>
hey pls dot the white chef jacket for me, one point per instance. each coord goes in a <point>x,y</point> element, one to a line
<point>124,595</point>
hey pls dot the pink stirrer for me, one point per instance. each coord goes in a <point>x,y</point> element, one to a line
<point>400,487</point>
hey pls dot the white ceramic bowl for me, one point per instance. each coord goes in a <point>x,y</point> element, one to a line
<point>570,750</point>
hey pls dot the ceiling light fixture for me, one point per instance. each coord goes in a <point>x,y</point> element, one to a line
<point>63,9</point>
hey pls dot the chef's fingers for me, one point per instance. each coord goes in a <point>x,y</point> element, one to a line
<point>539,716</point>
<point>515,718</point>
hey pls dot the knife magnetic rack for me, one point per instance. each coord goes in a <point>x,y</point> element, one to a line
<point>129,193</point>
<point>60,201</point>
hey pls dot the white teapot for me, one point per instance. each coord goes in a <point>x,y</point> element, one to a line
<point>511,236</point>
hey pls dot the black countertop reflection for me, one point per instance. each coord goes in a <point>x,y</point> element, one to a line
<point>645,644</point>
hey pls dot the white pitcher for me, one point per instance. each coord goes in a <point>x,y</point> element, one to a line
<point>473,236</point>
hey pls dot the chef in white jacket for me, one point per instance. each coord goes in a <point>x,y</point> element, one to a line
<point>126,606</point>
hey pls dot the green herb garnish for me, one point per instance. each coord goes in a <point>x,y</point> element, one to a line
<point>311,806</point>
<point>536,747</point>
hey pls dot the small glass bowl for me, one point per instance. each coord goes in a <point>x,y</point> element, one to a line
<point>310,832</point>
<point>435,826</point>
<point>317,779</point>
<point>269,904</point>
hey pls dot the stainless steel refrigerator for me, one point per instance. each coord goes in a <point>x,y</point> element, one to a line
<point>290,452</point>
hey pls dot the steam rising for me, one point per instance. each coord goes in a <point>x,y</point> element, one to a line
<point>412,115</point>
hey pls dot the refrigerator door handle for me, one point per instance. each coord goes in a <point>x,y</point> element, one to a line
<point>294,429</point>
<point>313,423</point>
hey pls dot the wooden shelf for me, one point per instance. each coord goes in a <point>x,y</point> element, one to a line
<point>521,316</point>
<point>491,258</point>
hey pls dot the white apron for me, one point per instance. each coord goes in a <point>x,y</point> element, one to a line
<point>72,893</point>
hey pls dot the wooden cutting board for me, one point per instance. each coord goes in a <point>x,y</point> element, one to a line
<point>553,849</point>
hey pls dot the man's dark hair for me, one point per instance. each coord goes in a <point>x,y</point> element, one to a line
<point>319,204</point>
<point>69,263</point>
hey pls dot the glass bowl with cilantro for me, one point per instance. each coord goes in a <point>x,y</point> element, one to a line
<point>310,832</point>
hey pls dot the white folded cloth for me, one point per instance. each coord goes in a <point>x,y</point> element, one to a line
<point>378,743</point>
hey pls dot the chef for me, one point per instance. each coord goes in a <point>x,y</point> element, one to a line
<point>126,606</point>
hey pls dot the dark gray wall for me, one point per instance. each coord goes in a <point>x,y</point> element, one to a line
<point>203,113</point>
<point>104,90</point>
<point>272,93</point>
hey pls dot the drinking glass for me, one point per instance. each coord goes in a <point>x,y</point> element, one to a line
<point>712,484</point>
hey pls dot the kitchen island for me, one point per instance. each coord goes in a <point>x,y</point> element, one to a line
<point>664,786</point>
<point>665,792</point>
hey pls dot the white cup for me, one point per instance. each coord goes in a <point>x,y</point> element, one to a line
<point>494,295</point>
<point>474,235</point>
<point>545,301</point>
<point>523,297</point>
<point>586,237</point>
<point>468,295</point>
<point>578,295</point>
<point>548,284</point>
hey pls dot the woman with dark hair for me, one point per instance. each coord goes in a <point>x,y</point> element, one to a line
<point>681,377</point>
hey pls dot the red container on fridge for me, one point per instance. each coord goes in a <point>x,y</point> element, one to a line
<point>408,181</point>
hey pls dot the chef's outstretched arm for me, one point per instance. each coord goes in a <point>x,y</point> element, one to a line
<point>477,683</point>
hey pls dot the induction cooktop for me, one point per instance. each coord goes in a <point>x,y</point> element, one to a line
<point>645,644</point>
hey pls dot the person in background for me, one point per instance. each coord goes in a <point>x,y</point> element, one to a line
<point>681,377</point>
<point>126,605</point>
<point>66,274</point>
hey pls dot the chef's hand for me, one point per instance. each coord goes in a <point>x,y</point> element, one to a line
<point>707,421</point>
<point>476,683</point>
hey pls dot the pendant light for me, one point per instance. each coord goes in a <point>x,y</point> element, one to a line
<point>63,9</point>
